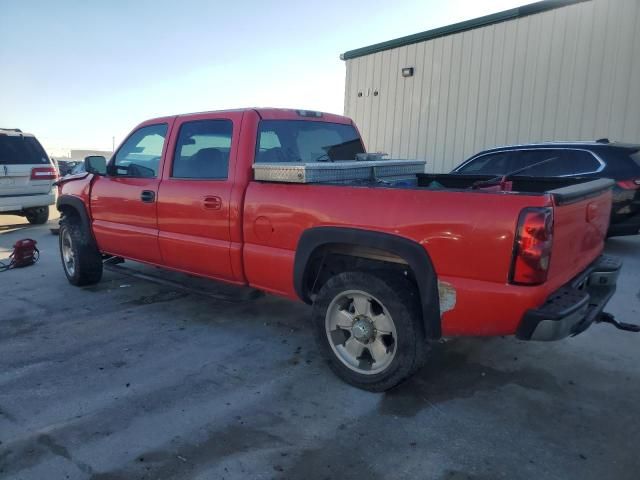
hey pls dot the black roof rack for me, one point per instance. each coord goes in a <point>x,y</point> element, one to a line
<point>603,140</point>
<point>12,129</point>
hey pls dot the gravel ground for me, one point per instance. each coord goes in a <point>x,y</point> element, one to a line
<point>137,379</point>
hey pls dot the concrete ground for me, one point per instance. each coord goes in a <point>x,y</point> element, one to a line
<point>135,379</point>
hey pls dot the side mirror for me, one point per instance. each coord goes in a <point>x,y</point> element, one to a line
<point>96,164</point>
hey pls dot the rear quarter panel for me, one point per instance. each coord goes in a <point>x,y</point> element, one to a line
<point>469,237</point>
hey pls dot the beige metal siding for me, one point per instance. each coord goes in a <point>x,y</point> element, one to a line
<point>572,73</point>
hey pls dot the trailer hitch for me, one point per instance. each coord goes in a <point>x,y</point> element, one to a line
<point>627,327</point>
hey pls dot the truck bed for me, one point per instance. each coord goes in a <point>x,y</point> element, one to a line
<point>520,183</point>
<point>468,234</point>
<point>559,186</point>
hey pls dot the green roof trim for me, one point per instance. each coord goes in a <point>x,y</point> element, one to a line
<point>499,17</point>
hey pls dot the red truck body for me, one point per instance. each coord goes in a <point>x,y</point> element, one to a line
<point>247,232</point>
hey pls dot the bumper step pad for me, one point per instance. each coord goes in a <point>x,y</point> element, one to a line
<point>572,308</point>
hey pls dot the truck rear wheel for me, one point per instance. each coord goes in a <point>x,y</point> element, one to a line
<point>369,328</point>
<point>80,257</point>
<point>37,215</point>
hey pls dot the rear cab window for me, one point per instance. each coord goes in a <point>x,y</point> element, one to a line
<point>299,141</point>
<point>21,150</point>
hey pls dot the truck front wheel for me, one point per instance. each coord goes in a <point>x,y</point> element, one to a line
<point>81,259</point>
<point>369,328</point>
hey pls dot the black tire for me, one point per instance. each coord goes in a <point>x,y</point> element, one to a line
<point>87,260</point>
<point>400,298</point>
<point>37,215</point>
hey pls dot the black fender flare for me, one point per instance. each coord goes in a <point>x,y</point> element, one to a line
<point>78,205</point>
<point>410,251</point>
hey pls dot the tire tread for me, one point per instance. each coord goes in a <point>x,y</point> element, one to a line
<point>399,296</point>
<point>88,258</point>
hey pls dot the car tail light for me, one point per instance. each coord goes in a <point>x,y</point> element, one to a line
<point>532,246</point>
<point>633,184</point>
<point>44,173</point>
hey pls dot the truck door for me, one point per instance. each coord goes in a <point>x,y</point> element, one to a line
<point>194,198</point>
<point>123,203</point>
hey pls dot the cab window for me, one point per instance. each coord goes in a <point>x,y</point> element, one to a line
<point>202,150</point>
<point>140,154</point>
<point>298,141</point>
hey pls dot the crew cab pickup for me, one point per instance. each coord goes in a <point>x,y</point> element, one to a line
<point>389,265</point>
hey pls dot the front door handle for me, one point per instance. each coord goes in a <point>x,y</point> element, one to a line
<point>211,202</point>
<point>148,196</point>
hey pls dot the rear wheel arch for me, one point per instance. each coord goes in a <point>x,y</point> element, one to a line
<point>379,248</point>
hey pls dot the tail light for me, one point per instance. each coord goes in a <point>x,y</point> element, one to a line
<point>44,173</point>
<point>532,247</point>
<point>633,184</point>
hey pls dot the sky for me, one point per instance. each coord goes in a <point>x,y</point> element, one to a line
<point>78,73</point>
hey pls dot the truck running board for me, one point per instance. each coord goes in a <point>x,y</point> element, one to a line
<point>181,282</point>
<point>627,327</point>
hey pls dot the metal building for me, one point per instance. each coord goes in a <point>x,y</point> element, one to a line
<point>552,70</point>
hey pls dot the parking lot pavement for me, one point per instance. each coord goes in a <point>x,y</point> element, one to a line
<point>134,379</point>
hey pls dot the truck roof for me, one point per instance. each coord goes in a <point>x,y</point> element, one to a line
<point>275,114</point>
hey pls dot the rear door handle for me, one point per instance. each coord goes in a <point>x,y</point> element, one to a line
<point>211,202</point>
<point>148,196</point>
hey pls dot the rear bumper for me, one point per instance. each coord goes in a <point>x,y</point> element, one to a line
<point>575,306</point>
<point>20,202</point>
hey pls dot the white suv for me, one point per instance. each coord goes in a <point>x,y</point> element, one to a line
<point>26,176</point>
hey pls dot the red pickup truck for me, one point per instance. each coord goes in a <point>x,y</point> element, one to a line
<point>388,265</point>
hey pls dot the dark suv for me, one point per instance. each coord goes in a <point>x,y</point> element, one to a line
<point>600,159</point>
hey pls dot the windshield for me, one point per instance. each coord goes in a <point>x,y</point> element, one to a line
<point>304,141</point>
<point>21,150</point>
<point>636,157</point>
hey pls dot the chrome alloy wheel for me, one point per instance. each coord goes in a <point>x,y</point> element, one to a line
<point>68,257</point>
<point>361,332</point>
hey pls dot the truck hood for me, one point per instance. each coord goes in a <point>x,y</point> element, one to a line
<point>71,178</point>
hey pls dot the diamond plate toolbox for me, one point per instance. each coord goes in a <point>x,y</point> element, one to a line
<point>339,171</point>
